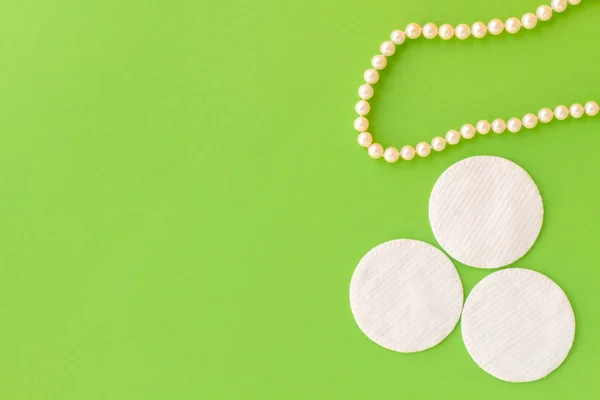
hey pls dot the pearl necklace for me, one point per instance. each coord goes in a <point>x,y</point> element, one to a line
<point>467,131</point>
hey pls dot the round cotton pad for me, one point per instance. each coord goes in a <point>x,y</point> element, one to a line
<point>406,295</point>
<point>486,211</point>
<point>518,325</point>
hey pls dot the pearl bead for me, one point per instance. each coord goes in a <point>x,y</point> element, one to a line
<point>559,5</point>
<point>446,31</point>
<point>513,25</point>
<point>576,110</point>
<point>483,127</point>
<point>545,115</point>
<point>407,153</point>
<point>530,121</point>
<point>438,143</point>
<point>591,108</point>
<point>365,139</point>
<point>467,131</point>
<point>498,125</point>
<point>529,21</point>
<point>375,150</point>
<point>365,91</point>
<point>371,76</point>
<point>387,49</point>
<point>379,62</point>
<point>361,124</point>
<point>561,112</point>
<point>479,30</point>
<point>462,31</point>
<point>362,107</point>
<point>398,37</point>
<point>452,137</point>
<point>574,2</point>
<point>514,125</point>
<point>391,154</point>
<point>413,30</point>
<point>496,26</point>
<point>544,13</point>
<point>430,30</point>
<point>423,149</point>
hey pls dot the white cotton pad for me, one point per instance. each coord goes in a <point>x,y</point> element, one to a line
<point>406,295</point>
<point>486,212</point>
<point>518,325</point>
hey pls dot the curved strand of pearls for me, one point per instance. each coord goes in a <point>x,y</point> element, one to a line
<point>462,31</point>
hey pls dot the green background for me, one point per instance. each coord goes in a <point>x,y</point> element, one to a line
<point>183,201</point>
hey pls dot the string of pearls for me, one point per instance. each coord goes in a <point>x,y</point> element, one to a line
<point>467,131</point>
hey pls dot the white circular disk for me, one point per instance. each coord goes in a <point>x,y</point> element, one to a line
<point>518,325</point>
<point>486,211</point>
<point>406,295</point>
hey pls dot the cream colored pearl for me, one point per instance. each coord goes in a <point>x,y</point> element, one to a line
<point>591,108</point>
<point>375,150</point>
<point>495,26</point>
<point>498,125</point>
<point>438,143</point>
<point>413,30</point>
<point>530,121</point>
<point>371,76</point>
<point>462,31</point>
<point>391,154</point>
<point>423,149</point>
<point>387,48</point>
<point>362,107</point>
<point>379,62</point>
<point>561,112</point>
<point>446,31</point>
<point>361,124</point>
<point>430,30</point>
<point>407,153</point>
<point>467,131</point>
<point>529,21</point>
<point>365,91</point>
<point>365,139</point>
<point>574,2</point>
<point>559,5</point>
<point>514,125</point>
<point>545,115</point>
<point>452,137</point>
<point>483,127</point>
<point>398,37</point>
<point>513,25</point>
<point>576,110</point>
<point>544,13</point>
<point>479,30</point>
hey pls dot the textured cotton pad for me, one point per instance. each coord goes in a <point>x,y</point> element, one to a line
<point>486,212</point>
<point>518,325</point>
<point>406,295</point>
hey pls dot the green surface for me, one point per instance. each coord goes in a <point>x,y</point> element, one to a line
<point>183,201</point>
